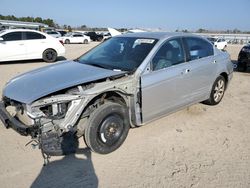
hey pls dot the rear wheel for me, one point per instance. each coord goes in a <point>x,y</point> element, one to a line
<point>49,55</point>
<point>217,92</point>
<point>99,39</point>
<point>107,128</point>
<point>85,41</point>
<point>67,41</point>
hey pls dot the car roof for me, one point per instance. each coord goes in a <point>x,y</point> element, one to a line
<point>3,32</point>
<point>10,30</point>
<point>157,35</point>
<point>21,30</point>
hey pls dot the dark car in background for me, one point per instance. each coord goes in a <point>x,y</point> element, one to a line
<point>94,36</point>
<point>244,58</point>
<point>62,32</point>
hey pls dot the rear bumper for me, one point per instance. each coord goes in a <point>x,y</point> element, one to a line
<point>61,51</point>
<point>230,76</point>
<point>12,122</point>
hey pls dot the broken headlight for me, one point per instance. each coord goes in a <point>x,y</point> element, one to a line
<point>55,111</point>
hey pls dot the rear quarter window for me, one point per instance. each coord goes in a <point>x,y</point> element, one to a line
<point>33,36</point>
<point>198,48</point>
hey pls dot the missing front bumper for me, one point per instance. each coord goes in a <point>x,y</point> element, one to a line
<point>13,122</point>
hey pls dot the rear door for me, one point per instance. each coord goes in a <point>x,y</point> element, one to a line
<point>12,47</point>
<point>200,70</point>
<point>77,38</point>
<point>35,44</point>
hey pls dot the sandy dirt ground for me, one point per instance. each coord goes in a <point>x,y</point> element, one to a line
<point>200,146</point>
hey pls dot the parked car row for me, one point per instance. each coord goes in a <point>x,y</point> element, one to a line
<point>220,43</point>
<point>79,37</point>
<point>75,38</point>
<point>23,44</point>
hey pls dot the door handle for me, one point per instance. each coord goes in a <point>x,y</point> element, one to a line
<point>185,71</point>
<point>21,44</point>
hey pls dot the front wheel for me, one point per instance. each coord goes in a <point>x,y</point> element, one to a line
<point>217,92</point>
<point>242,66</point>
<point>107,128</point>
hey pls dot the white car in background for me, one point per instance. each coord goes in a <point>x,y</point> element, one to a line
<point>23,44</point>
<point>220,43</point>
<point>75,38</point>
<point>54,34</point>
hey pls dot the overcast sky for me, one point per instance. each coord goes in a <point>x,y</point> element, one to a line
<point>165,14</point>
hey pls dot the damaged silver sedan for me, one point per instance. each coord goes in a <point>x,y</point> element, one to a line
<point>124,82</point>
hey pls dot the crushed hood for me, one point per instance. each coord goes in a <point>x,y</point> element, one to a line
<point>38,83</point>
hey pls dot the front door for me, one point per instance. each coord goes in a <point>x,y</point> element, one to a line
<point>163,89</point>
<point>12,47</point>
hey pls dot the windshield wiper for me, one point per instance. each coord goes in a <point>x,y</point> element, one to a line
<point>96,65</point>
<point>89,63</point>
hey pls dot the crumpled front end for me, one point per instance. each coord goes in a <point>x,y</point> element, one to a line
<point>49,121</point>
<point>59,112</point>
<point>56,121</point>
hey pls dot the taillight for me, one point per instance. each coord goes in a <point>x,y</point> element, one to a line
<point>61,42</point>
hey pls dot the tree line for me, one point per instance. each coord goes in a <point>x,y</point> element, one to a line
<point>49,22</point>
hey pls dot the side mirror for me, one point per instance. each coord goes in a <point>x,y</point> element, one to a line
<point>1,39</point>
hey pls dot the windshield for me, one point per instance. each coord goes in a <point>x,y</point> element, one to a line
<point>119,53</point>
<point>2,31</point>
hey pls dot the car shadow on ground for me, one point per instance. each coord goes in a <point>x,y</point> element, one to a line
<point>68,172</point>
<point>30,61</point>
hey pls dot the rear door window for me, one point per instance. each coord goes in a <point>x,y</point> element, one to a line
<point>33,36</point>
<point>198,48</point>
<point>52,32</point>
<point>13,36</point>
<point>77,35</point>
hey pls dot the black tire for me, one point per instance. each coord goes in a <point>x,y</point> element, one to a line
<point>99,39</point>
<point>49,55</point>
<point>67,41</point>
<point>107,128</point>
<point>242,66</point>
<point>85,41</point>
<point>217,91</point>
